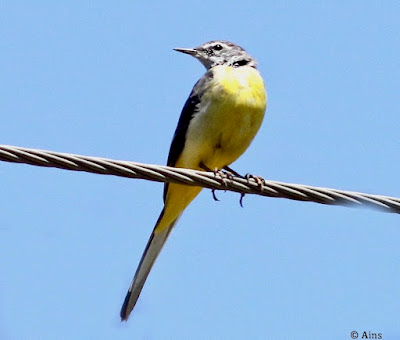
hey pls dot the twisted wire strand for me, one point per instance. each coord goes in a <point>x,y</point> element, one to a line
<point>209,180</point>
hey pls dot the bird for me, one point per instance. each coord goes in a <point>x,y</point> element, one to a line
<point>219,120</point>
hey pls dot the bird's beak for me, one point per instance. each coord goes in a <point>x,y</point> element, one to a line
<point>190,51</point>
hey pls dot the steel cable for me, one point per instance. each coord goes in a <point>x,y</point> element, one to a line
<point>211,180</point>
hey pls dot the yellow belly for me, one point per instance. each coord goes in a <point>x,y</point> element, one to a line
<point>230,114</point>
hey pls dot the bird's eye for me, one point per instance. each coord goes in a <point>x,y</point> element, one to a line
<point>218,47</point>
<point>242,62</point>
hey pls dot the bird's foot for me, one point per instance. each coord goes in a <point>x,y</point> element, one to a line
<point>258,179</point>
<point>222,176</point>
<point>214,195</point>
<point>233,173</point>
<point>241,199</point>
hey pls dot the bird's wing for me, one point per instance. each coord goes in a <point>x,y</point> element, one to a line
<point>188,112</point>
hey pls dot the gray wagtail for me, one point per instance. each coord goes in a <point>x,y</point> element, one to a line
<point>220,118</point>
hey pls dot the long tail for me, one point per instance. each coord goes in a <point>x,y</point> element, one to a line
<point>153,248</point>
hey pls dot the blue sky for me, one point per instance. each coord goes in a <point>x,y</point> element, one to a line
<point>101,79</point>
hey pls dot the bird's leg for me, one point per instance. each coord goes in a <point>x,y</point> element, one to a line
<point>258,179</point>
<point>204,167</point>
<point>233,172</point>
<point>214,195</point>
<point>216,171</point>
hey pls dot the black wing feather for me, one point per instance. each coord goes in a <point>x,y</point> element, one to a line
<point>189,110</point>
<point>178,142</point>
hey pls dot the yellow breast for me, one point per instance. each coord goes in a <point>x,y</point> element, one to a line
<point>235,102</point>
<point>242,85</point>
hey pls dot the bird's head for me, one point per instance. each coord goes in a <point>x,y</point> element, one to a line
<point>219,52</point>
